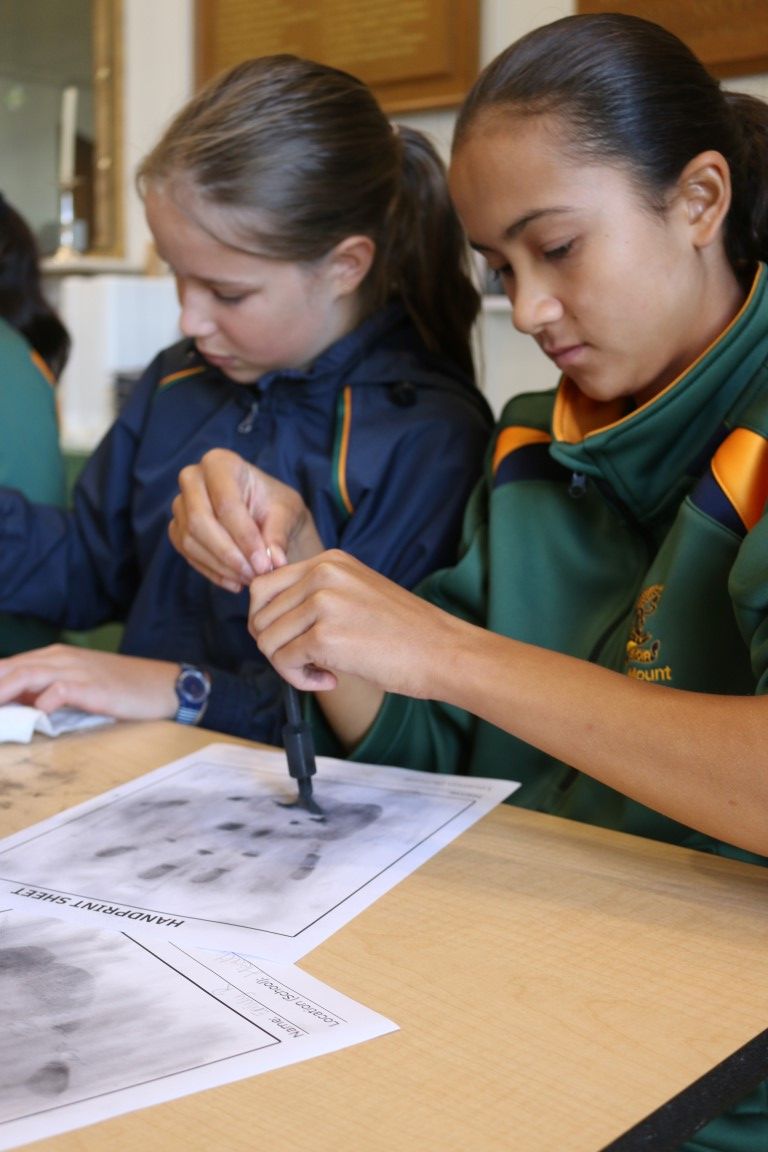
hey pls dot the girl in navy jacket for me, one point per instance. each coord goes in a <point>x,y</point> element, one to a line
<point>327,308</point>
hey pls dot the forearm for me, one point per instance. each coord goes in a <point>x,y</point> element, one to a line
<point>32,558</point>
<point>700,759</point>
<point>351,708</point>
<point>47,569</point>
<point>246,702</point>
<point>126,687</point>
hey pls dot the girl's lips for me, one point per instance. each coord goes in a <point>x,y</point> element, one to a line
<point>566,356</point>
<point>217,361</point>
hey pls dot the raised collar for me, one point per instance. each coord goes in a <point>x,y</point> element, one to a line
<point>649,455</point>
<point>342,355</point>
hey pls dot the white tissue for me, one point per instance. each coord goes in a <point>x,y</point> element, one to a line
<point>18,723</point>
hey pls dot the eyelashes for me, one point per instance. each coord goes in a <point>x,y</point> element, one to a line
<point>560,252</point>
<point>496,275</point>
<point>229,299</point>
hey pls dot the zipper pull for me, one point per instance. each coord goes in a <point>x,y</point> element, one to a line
<point>578,485</point>
<point>246,424</point>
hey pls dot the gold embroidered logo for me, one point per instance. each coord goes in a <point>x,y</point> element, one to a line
<point>642,648</point>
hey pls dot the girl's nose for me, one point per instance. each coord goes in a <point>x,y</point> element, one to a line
<point>194,319</point>
<point>533,307</point>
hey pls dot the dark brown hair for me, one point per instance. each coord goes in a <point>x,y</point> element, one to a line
<point>631,92</point>
<point>22,303</point>
<point>302,156</point>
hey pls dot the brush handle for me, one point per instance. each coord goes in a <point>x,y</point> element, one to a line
<point>297,737</point>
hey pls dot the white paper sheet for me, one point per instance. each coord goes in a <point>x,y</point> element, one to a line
<point>210,851</point>
<point>95,1024</point>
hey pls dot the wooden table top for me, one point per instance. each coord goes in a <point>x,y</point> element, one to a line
<point>554,984</point>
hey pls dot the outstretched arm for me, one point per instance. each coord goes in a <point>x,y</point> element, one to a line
<point>700,759</point>
<point>126,687</point>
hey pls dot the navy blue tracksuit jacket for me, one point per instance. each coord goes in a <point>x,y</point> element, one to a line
<point>383,440</point>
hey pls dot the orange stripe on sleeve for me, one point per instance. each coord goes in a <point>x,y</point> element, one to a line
<point>42,367</point>
<point>740,466</point>
<point>510,439</point>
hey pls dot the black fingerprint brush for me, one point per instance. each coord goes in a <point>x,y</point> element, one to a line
<point>299,749</point>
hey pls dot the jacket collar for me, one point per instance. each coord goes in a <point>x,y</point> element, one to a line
<point>341,357</point>
<point>649,456</point>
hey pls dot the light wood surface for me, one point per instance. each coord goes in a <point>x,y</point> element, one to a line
<point>553,983</point>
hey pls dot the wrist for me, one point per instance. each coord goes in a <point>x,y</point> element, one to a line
<point>305,542</point>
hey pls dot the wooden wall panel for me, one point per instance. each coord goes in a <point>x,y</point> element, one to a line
<point>415,54</point>
<point>729,36</point>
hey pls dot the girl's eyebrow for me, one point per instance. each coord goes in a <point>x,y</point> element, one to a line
<point>213,282</point>
<point>238,285</point>
<point>519,225</point>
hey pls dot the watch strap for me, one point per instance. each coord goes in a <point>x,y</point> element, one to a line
<point>189,713</point>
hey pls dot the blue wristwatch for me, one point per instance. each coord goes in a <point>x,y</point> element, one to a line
<point>193,687</point>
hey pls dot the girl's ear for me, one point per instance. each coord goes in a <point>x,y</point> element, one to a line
<point>350,262</point>
<point>705,189</point>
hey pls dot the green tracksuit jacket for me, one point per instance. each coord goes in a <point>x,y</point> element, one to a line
<point>635,539</point>
<point>30,457</point>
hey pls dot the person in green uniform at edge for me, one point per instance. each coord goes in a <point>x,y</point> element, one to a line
<point>34,345</point>
<point>604,636</point>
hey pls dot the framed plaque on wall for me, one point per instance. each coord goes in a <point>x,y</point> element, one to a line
<point>414,54</point>
<point>730,37</point>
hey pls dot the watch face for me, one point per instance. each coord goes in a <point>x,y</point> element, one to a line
<point>193,687</point>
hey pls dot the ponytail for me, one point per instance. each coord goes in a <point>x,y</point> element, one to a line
<point>746,230</point>
<point>426,258</point>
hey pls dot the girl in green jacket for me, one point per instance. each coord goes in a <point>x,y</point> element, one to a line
<point>618,546</point>
<point>628,234</point>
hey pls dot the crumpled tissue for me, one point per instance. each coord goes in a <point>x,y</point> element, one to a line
<point>18,722</point>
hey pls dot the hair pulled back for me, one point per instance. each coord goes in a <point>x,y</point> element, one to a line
<point>630,92</point>
<point>22,303</point>
<point>300,156</point>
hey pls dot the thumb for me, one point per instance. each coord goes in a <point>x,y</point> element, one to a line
<point>280,525</point>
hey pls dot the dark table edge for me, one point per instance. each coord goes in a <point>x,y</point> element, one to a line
<point>712,1094</point>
